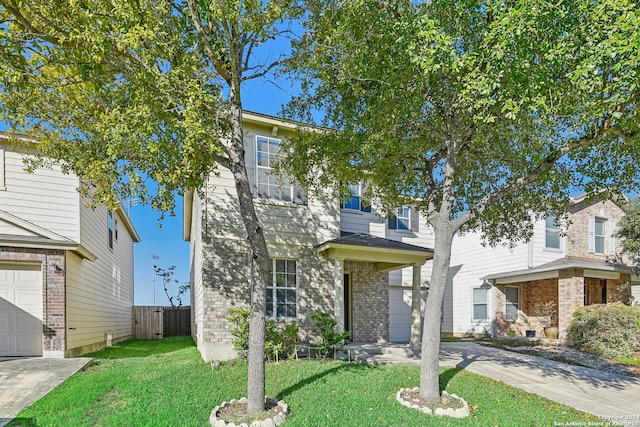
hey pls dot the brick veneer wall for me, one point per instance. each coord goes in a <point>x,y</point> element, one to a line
<point>530,293</point>
<point>226,284</point>
<point>53,291</point>
<point>370,290</point>
<point>578,230</point>
<point>571,297</point>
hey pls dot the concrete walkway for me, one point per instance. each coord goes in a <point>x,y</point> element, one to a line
<point>24,380</point>
<point>590,390</point>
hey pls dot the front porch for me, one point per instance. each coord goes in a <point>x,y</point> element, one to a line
<point>361,264</point>
<point>564,285</point>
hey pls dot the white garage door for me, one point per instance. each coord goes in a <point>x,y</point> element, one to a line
<point>399,314</point>
<point>20,310</point>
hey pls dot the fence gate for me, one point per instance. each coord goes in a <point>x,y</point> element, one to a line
<point>155,322</point>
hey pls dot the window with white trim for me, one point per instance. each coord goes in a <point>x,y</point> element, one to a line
<point>512,294</point>
<point>355,202</point>
<point>598,235</point>
<point>403,218</point>
<point>282,295</point>
<point>551,233</point>
<point>2,170</point>
<point>110,226</point>
<point>480,304</point>
<point>268,184</point>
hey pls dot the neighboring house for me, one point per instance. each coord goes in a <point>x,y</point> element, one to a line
<point>346,261</point>
<point>66,271</point>
<point>369,269</point>
<point>493,290</point>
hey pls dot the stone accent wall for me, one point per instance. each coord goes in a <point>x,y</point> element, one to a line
<point>370,290</point>
<point>53,291</point>
<point>315,290</point>
<point>578,230</point>
<point>571,297</point>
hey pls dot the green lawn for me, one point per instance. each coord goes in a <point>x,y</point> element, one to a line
<point>165,383</point>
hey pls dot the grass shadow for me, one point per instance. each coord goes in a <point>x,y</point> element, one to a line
<point>316,377</point>
<point>21,422</point>
<point>446,375</point>
<point>143,348</point>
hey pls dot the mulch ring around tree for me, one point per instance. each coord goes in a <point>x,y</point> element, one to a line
<point>234,413</point>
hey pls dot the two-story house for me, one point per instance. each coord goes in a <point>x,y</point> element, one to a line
<point>346,260</point>
<point>370,269</point>
<point>494,290</point>
<point>66,271</point>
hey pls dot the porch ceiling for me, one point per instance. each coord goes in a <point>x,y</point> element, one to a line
<point>386,254</point>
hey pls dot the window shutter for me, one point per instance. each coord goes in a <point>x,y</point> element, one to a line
<point>612,237</point>
<point>363,207</point>
<point>392,222</point>
<point>250,160</point>
<point>592,234</point>
<point>415,220</point>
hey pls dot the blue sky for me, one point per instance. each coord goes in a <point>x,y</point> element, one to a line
<point>166,242</point>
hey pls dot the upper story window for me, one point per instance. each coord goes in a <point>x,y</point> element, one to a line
<point>355,203</point>
<point>282,301</point>
<point>269,185</point>
<point>404,218</point>
<point>551,233</point>
<point>110,226</point>
<point>602,235</point>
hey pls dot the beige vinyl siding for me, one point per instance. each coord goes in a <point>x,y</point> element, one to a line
<point>285,224</point>
<point>196,256</point>
<point>100,293</point>
<point>635,294</point>
<point>47,191</point>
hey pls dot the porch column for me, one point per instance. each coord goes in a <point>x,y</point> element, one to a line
<point>570,297</point>
<point>415,307</point>
<point>338,284</point>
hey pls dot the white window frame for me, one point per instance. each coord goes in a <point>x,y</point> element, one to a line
<point>273,288</point>
<point>355,191</point>
<point>276,189</point>
<point>402,219</point>
<point>555,229</point>
<point>110,226</point>
<point>474,303</point>
<point>599,237</point>
<point>508,303</point>
<point>3,186</point>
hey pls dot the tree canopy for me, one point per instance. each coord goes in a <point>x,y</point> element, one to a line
<point>629,229</point>
<point>484,114</point>
<point>128,92</point>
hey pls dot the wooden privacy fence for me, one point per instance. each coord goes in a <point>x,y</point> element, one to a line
<point>152,322</point>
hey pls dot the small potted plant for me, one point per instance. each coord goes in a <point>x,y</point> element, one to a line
<point>529,333</point>
<point>512,330</point>
<point>546,314</point>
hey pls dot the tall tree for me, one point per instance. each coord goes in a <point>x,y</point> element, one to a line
<point>129,91</point>
<point>629,229</point>
<point>480,112</point>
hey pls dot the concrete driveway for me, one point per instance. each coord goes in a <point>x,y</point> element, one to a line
<point>23,380</point>
<point>610,396</point>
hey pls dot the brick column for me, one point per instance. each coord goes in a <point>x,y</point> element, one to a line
<point>570,297</point>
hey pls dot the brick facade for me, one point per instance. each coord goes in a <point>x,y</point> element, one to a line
<point>370,290</point>
<point>53,291</point>
<point>531,293</point>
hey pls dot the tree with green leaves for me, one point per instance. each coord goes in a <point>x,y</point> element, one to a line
<point>483,114</point>
<point>628,228</point>
<point>128,92</point>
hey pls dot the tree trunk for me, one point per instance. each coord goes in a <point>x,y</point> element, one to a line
<point>429,363</point>
<point>260,268</point>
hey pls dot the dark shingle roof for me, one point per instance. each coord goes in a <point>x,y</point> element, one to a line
<point>367,240</point>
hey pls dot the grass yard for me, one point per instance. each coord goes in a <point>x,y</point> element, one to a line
<point>165,383</point>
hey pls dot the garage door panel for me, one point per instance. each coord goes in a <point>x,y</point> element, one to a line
<point>20,310</point>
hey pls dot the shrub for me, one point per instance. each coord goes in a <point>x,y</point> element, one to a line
<point>281,338</point>
<point>328,336</point>
<point>607,330</point>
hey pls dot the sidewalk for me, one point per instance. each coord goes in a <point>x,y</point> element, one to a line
<point>589,390</point>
